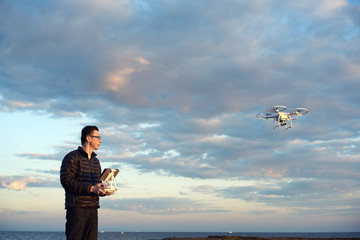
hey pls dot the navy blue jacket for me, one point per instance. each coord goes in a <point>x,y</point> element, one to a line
<point>77,174</point>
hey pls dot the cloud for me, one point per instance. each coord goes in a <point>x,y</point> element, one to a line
<point>8,212</point>
<point>161,205</point>
<point>19,183</point>
<point>51,171</point>
<point>61,151</point>
<point>39,156</point>
<point>16,105</point>
<point>328,8</point>
<point>298,196</point>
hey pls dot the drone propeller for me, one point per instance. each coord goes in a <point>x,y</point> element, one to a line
<point>297,111</point>
<point>301,111</point>
<point>266,115</point>
<point>276,109</point>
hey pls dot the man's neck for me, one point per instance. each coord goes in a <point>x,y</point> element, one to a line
<point>87,149</point>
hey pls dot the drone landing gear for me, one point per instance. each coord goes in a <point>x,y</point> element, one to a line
<point>282,122</point>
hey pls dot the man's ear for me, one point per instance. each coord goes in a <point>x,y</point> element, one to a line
<point>88,138</point>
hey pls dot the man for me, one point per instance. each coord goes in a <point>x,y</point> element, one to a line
<point>79,175</point>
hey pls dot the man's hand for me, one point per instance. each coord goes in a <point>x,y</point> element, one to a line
<point>98,189</point>
<point>109,193</point>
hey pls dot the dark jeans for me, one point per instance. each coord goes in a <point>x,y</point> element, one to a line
<point>81,223</point>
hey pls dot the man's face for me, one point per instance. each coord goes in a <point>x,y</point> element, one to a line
<point>95,140</point>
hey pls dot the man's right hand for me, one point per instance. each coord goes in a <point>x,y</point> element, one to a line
<point>98,189</point>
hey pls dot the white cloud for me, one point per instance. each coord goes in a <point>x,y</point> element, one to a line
<point>326,8</point>
<point>20,183</point>
<point>162,206</point>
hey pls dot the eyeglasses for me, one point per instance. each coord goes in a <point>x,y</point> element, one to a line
<point>98,137</point>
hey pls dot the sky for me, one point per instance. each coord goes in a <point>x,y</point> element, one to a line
<point>174,87</point>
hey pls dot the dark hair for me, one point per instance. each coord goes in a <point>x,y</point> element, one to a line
<point>86,131</point>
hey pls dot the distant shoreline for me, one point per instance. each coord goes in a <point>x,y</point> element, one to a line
<point>254,238</point>
<point>60,235</point>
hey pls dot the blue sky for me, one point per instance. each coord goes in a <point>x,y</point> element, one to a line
<point>174,87</point>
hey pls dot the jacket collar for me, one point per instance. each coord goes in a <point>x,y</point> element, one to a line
<point>93,154</point>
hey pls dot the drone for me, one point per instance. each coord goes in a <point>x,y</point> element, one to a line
<point>282,116</point>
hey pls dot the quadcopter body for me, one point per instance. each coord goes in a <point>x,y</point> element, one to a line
<point>282,116</point>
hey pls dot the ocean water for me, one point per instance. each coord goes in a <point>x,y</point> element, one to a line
<point>7,235</point>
